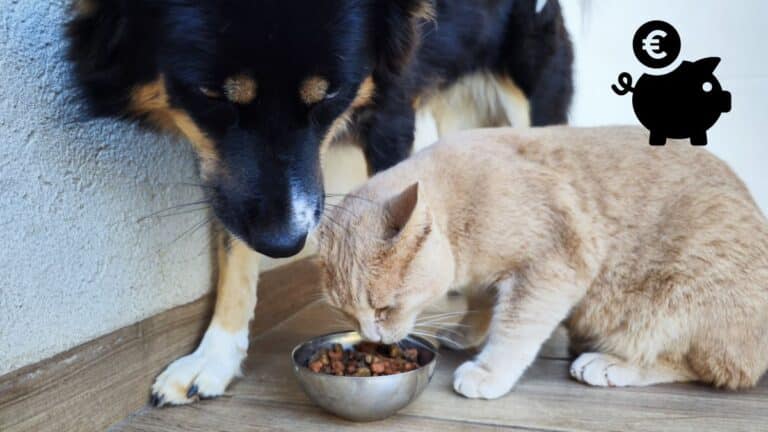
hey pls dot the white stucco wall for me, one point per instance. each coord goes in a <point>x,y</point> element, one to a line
<point>75,263</point>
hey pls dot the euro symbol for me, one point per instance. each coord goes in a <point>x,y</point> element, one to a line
<point>652,44</point>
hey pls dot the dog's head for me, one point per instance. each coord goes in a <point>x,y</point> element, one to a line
<point>258,86</point>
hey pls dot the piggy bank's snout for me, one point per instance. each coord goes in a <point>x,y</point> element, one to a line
<point>725,101</point>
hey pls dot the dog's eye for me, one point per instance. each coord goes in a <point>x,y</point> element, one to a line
<point>331,95</point>
<point>211,93</point>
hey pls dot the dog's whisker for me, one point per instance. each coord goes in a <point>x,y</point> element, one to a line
<point>337,224</point>
<point>340,208</point>
<point>193,229</point>
<point>182,213</point>
<point>175,207</point>
<point>353,196</point>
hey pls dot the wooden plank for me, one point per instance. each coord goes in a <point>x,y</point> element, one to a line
<point>545,399</point>
<point>94,385</point>
<point>268,398</point>
<point>237,415</point>
<point>284,291</point>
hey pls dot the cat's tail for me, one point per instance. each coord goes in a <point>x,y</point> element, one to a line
<point>625,81</point>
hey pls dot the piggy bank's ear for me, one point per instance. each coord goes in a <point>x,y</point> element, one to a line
<point>708,64</point>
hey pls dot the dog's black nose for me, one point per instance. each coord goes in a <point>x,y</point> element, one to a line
<point>278,245</point>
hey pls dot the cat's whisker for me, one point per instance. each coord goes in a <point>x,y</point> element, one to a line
<point>417,342</point>
<point>449,324</point>
<point>440,317</point>
<point>441,326</point>
<point>444,320</point>
<point>438,328</point>
<point>438,338</point>
<point>462,312</point>
<point>434,336</point>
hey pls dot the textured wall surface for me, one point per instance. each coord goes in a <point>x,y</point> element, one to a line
<point>76,260</point>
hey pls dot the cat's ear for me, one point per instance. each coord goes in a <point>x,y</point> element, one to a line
<point>406,209</point>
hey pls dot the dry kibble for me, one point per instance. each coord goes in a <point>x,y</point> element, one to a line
<point>335,356</point>
<point>364,360</point>
<point>363,372</point>
<point>316,366</point>
<point>411,354</point>
<point>377,368</point>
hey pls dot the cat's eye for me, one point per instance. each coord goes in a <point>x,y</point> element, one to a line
<point>210,93</point>
<point>707,87</point>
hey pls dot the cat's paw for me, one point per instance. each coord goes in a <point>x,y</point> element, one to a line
<point>475,380</point>
<point>205,373</point>
<point>603,370</point>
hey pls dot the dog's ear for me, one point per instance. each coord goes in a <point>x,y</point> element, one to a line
<point>113,45</point>
<point>396,31</point>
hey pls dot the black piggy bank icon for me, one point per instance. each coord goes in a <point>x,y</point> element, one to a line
<point>684,103</point>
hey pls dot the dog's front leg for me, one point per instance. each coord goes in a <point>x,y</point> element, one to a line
<point>207,372</point>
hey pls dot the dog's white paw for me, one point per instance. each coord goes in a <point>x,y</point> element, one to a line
<point>603,370</point>
<point>474,380</point>
<point>205,373</point>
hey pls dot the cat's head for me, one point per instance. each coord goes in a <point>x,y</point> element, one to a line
<point>384,261</point>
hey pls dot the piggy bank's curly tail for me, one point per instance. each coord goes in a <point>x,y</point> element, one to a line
<point>625,81</point>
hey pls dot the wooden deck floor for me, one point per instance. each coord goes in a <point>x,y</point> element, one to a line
<point>546,399</point>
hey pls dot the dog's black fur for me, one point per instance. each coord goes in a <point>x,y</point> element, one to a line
<point>267,151</point>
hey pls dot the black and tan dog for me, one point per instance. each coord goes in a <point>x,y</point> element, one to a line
<point>262,87</point>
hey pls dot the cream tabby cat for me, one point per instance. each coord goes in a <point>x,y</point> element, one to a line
<point>655,258</point>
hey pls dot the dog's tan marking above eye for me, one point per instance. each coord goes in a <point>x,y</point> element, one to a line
<point>150,101</point>
<point>313,90</point>
<point>240,89</point>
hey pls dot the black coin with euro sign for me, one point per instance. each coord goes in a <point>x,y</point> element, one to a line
<point>657,44</point>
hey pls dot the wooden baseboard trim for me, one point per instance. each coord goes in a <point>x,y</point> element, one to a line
<point>97,384</point>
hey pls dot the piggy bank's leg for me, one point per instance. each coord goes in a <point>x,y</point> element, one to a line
<point>699,139</point>
<point>658,139</point>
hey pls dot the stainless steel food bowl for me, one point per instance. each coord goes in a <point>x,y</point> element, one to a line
<point>362,398</point>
